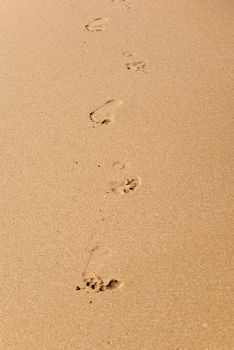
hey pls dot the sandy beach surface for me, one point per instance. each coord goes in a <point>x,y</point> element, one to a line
<point>116,175</point>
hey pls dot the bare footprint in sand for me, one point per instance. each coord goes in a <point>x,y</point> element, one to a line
<point>124,2</point>
<point>119,165</point>
<point>96,283</point>
<point>92,280</point>
<point>136,66</point>
<point>105,114</point>
<point>126,186</point>
<point>97,25</point>
<point>134,63</point>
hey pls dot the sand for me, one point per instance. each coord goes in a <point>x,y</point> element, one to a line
<point>116,143</point>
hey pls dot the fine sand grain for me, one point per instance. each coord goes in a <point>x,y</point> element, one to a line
<point>116,175</point>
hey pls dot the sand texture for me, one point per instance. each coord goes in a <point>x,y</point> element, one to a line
<point>116,175</point>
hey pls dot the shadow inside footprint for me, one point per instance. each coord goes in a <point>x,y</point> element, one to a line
<point>114,284</point>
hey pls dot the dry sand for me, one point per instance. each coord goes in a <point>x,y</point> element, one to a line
<point>116,134</point>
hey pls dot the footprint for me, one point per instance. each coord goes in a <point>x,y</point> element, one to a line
<point>136,66</point>
<point>129,54</point>
<point>119,165</point>
<point>134,63</point>
<point>127,185</point>
<point>96,283</point>
<point>97,25</point>
<point>92,280</point>
<point>125,2</point>
<point>104,114</point>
